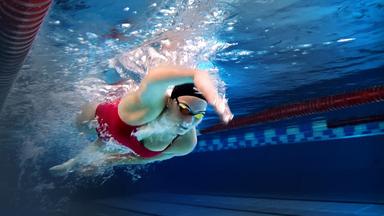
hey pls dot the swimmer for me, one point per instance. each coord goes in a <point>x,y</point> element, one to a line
<point>152,124</point>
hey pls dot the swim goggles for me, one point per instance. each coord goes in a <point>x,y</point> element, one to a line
<point>185,110</point>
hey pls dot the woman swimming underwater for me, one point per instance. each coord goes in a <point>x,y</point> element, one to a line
<point>152,124</point>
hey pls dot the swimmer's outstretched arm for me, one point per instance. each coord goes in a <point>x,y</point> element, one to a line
<point>127,159</point>
<point>182,146</point>
<point>148,100</point>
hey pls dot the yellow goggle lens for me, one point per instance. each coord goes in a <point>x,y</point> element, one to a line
<point>184,109</point>
<point>199,116</point>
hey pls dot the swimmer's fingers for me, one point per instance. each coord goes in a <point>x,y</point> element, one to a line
<point>227,116</point>
<point>223,110</point>
<point>207,85</point>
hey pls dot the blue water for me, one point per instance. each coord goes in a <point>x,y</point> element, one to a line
<point>268,53</point>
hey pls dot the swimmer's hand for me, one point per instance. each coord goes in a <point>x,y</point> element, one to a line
<point>207,85</point>
<point>223,110</point>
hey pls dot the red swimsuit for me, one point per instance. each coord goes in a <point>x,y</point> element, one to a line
<point>111,126</point>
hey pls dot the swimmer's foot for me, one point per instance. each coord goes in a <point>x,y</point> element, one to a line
<point>89,170</point>
<point>63,169</point>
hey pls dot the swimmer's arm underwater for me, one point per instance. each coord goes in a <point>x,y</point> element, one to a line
<point>127,159</point>
<point>180,147</point>
<point>114,160</point>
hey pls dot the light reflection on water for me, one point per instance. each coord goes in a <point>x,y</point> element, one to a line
<point>260,47</point>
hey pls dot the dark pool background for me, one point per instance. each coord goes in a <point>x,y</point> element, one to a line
<point>279,53</point>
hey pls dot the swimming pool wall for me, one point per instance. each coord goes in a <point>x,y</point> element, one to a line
<point>301,158</point>
<point>305,132</point>
<point>348,170</point>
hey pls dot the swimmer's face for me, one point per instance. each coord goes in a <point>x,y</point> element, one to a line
<point>186,112</point>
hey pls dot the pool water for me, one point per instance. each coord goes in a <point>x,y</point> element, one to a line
<point>264,53</point>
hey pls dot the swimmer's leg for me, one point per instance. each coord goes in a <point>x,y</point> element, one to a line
<point>85,117</point>
<point>82,162</point>
<point>64,168</point>
<point>88,112</point>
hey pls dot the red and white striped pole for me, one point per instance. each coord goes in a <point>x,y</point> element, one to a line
<point>20,21</point>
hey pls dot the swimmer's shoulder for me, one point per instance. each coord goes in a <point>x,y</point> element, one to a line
<point>133,112</point>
